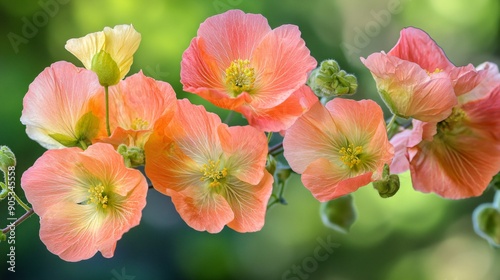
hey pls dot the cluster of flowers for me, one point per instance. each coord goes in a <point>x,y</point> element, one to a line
<point>98,126</point>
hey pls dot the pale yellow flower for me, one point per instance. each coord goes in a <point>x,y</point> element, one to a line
<point>109,53</point>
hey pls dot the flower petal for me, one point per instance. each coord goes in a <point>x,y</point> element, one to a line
<point>121,43</point>
<point>86,47</point>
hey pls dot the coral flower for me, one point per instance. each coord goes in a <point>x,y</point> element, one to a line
<point>86,200</point>
<point>61,107</point>
<point>338,149</point>
<point>416,79</point>
<point>109,52</point>
<point>239,63</point>
<point>214,174</point>
<point>457,157</point>
<point>135,104</point>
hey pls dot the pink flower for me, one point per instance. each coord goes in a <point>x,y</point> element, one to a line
<point>416,79</point>
<point>338,149</point>
<point>61,108</point>
<point>239,63</point>
<point>214,174</point>
<point>86,200</point>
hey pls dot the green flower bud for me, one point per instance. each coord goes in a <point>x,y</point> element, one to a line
<point>7,159</point>
<point>329,80</point>
<point>339,214</point>
<point>271,164</point>
<point>132,156</point>
<point>387,187</point>
<point>486,221</point>
<point>106,69</point>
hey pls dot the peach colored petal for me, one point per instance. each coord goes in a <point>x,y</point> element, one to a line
<point>282,62</point>
<point>246,150</point>
<point>71,234</point>
<point>249,203</point>
<point>49,182</point>
<point>232,35</point>
<point>416,46</point>
<point>203,211</point>
<point>57,99</point>
<point>325,182</point>
<point>483,115</point>
<point>465,78</point>
<point>316,125</point>
<point>408,90</point>
<point>284,115</point>
<point>490,81</point>
<point>458,168</point>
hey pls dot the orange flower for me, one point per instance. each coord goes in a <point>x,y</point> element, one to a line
<point>86,200</point>
<point>214,174</point>
<point>136,103</point>
<point>237,62</point>
<point>338,149</point>
<point>61,108</point>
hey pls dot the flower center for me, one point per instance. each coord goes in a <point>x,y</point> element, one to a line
<point>240,77</point>
<point>350,155</point>
<point>139,124</point>
<point>97,196</point>
<point>453,122</point>
<point>212,173</point>
<point>437,70</point>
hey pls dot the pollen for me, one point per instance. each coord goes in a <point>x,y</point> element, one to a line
<point>240,77</point>
<point>212,173</point>
<point>437,70</point>
<point>453,122</point>
<point>139,124</point>
<point>350,155</point>
<point>97,196</point>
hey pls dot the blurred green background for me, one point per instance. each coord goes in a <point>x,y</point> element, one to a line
<point>409,236</point>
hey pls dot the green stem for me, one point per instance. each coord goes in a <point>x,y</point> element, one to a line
<point>24,205</point>
<point>496,200</point>
<point>269,136</point>
<point>106,96</point>
<point>391,122</point>
<point>279,198</point>
<point>83,145</point>
<point>20,220</point>
<point>276,149</point>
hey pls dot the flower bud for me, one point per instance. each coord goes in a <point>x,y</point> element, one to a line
<point>7,159</point>
<point>106,69</point>
<point>486,221</point>
<point>339,214</point>
<point>329,80</point>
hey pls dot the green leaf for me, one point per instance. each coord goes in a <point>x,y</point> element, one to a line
<point>339,214</point>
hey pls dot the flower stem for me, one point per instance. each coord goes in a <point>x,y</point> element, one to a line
<point>276,149</point>
<point>24,205</point>
<point>106,96</point>
<point>20,220</point>
<point>391,122</point>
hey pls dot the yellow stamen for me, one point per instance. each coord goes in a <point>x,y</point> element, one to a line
<point>437,70</point>
<point>452,123</point>
<point>97,196</point>
<point>139,124</point>
<point>350,155</point>
<point>240,77</point>
<point>212,173</point>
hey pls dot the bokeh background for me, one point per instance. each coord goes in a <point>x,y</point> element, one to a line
<point>409,236</point>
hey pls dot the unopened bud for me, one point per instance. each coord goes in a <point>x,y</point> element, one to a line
<point>486,221</point>
<point>329,80</point>
<point>106,69</point>
<point>339,214</point>
<point>7,159</point>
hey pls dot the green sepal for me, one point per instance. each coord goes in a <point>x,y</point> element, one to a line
<point>106,68</point>
<point>86,129</point>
